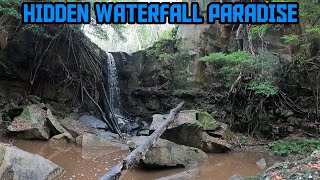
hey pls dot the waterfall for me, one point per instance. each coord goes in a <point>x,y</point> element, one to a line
<point>114,90</point>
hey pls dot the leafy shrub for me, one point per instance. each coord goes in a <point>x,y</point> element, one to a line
<point>243,139</point>
<point>259,69</point>
<point>236,57</point>
<point>258,30</point>
<point>302,146</point>
<point>291,39</point>
<point>265,88</point>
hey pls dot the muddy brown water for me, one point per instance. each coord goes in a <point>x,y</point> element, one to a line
<point>92,163</point>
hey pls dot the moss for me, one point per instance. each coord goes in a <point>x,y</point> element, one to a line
<point>208,122</point>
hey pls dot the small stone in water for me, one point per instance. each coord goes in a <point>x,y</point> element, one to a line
<point>262,163</point>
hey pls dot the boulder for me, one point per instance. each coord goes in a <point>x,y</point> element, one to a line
<point>308,168</point>
<point>92,140</point>
<point>207,121</point>
<point>31,124</point>
<point>58,128</point>
<point>64,137</point>
<point>168,154</point>
<point>191,174</point>
<point>93,122</point>
<point>75,127</point>
<point>186,130</point>
<point>223,131</point>
<point>18,164</point>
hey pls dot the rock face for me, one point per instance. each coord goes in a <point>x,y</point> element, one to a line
<point>308,168</point>
<point>187,130</point>
<point>17,164</point>
<point>31,124</point>
<point>168,154</point>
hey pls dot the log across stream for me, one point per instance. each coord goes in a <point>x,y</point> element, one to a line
<point>92,163</point>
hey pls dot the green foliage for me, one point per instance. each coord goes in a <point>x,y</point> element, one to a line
<point>309,14</point>
<point>243,139</point>
<point>302,146</point>
<point>265,88</point>
<point>166,57</point>
<point>313,31</point>
<point>168,34</point>
<point>291,39</point>
<point>162,48</point>
<point>258,30</point>
<point>259,70</point>
<point>236,57</point>
<point>229,70</point>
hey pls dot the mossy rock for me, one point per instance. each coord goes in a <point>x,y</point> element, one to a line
<point>207,121</point>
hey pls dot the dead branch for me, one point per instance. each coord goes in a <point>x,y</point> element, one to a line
<point>102,113</point>
<point>139,153</point>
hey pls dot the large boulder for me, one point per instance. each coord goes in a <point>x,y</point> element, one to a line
<point>31,124</point>
<point>18,164</point>
<point>187,130</point>
<point>308,168</point>
<point>168,154</point>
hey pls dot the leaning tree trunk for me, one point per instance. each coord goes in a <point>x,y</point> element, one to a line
<point>139,153</point>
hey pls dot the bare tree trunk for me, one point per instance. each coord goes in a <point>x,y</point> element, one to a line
<point>138,153</point>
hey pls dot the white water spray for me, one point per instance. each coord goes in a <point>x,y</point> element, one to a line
<point>114,90</point>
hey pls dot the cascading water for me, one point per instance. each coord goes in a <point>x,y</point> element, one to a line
<point>114,90</point>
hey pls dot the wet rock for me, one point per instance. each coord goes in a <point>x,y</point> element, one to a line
<point>144,133</point>
<point>236,177</point>
<point>285,112</point>
<point>133,126</point>
<point>92,140</point>
<point>168,154</point>
<point>93,122</point>
<point>290,129</point>
<point>74,127</point>
<point>207,121</point>
<point>308,168</point>
<point>144,125</point>
<point>224,132</point>
<point>64,137</point>
<point>262,163</point>
<point>34,99</point>
<point>191,174</point>
<point>186,130</point>
<point>134,133</point>
<point>18,164</point>
<point>107,135</point>
<point>31,124</point>
<point>58,127</point>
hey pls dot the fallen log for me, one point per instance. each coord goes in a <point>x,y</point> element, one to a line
<point>137,154</point>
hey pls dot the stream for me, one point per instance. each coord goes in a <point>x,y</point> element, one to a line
<point>92,163</point>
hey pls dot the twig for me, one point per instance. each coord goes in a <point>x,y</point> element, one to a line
<point>102,113</point>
